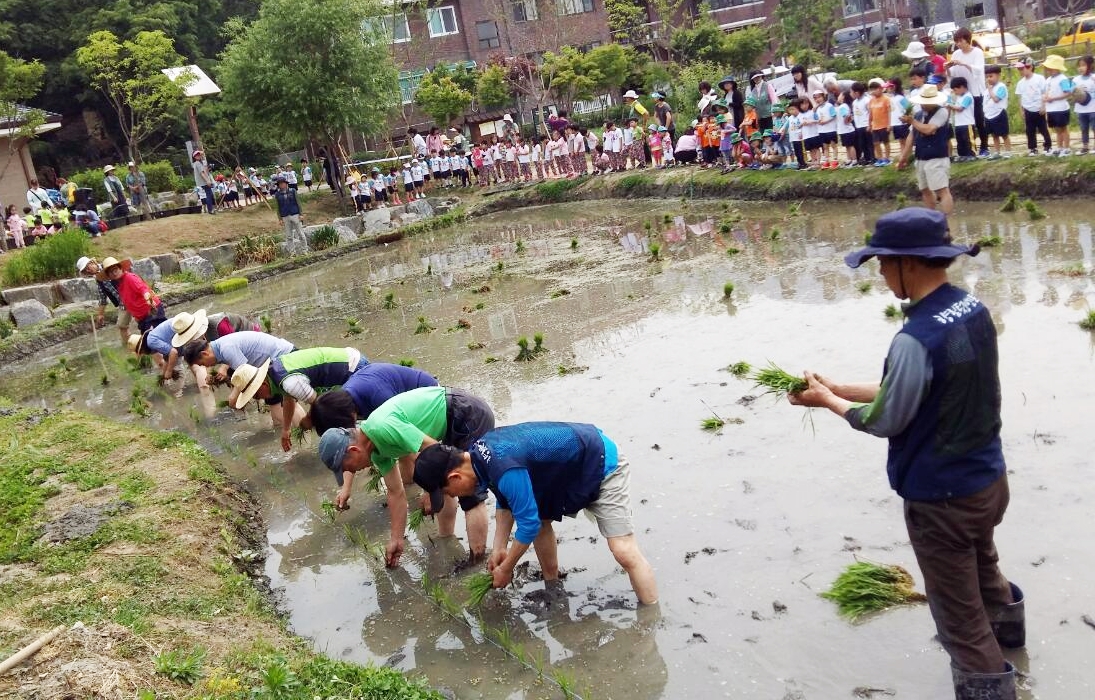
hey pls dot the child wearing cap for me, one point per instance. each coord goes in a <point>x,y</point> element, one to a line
<point>669,157</point>
<point>770,156</point>
<point>845,128</point>
<point>726,146</point>
<point>794,136</point>
<point>710,139</point>
<point>811,144</point>
<point>408,181</point>
<point>1058,90</point>
<point>996,111</point>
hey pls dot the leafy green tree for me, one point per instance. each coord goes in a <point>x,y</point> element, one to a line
<point>128,73</point>
<point>704,41</point>
<point>610,64</point>
<point>744,47</point>
<point>493,89</point>
<point>583,76</point>
<point>337,74</point>
<point>626,19</point>
<point>442,98</point>
<point>808,24</point>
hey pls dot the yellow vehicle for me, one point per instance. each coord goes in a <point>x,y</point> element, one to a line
<point>1082,31</point>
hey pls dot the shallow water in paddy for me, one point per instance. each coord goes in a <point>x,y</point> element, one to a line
<point>767,511</point>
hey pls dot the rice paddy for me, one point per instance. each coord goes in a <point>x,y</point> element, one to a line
<point>865,587</point>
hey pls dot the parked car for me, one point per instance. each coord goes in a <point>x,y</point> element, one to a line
<point>1081,31</point>
<point>847,41</point>
<point>942,32</point>
<point>892,33</point>
<point>1014,49</point>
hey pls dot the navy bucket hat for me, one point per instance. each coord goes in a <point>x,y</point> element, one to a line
<point>914,231</point>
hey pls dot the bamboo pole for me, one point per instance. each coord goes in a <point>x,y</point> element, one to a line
<point>31,649</point>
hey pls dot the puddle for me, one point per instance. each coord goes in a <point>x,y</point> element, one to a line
<point>744,527</point>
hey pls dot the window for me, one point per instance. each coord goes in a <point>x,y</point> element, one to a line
<point>442,21</point>
<point>574,7</point>
<point>586,48</point>
<point>975,10</point>
<point>488,35</point>
<point>397,27</point>
<point>858,7</point>
<point>408,84</point>
<point>723,4</point>
<point>524,11</point>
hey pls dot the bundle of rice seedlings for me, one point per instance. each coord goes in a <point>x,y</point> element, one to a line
<point>893,311</point>
<point>740,369</point>
<point>1011,203</point>
<point>424,326</point>
<point>866,587</point>
<point>416,518</point>
<point>475,346</point>
<point>1088,322</point>
<point>727,290</point>
<point>374,482</point>
<point>523,352</point>
<point>478,586</point>
<point>713,424</point>
<point>1033,210</point>
<point>732,251</point>
<point>774,234</point>
<point>406,362</point>
<point>989,241</point>
<point>230,284</point>
<point>655,252</point>
<point>902,200</point>
<point>353,327</point>
<point>538,343</point>
<point>389,301</point>
<point>267,323</point>
<point>863,287</point>
<point>777,381</point>
<point>574,244</point>
<point>328,510</point>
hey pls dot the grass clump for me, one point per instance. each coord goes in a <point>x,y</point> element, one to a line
<point>329,510</point>
<point>476,346</point>
<point>560,293</point>
<point>424,326</point>
<point>416,518</point>
<point>574,244</point>
<point>989,242</point>
<point>538,344</point>
<point>774,234</point>
<point>406,362</point>
<point>864,287</point>
<point>256,250</point>
<point>655,252</point>
<point>727,290</point>
<point>229,285</point>
<point>1033,210</point>
<point>732,250</point>
<point>866,587</point>
<point>712,424</point>
<point>892,311</point>
<point>490,360</point>
<point>777,381</point>
<point>353,327</point>
<point>1088,322</point>
<point>524,354</point>
<point>324,237</point>
<point>389,302</point>
<point>556,190</point>
<point>49,258</point>
<point>740,369</point>
<point>478,586</point>
<point>1011,203</point>
<point>179,666</point>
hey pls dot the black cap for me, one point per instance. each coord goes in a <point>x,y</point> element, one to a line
<point>432,468</point>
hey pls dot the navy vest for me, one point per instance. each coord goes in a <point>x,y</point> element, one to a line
<point>952,447</point>
<point>565,462</point>
<point>934,146</point>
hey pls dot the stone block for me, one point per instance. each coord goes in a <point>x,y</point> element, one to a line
<point>198,266</point>
<point>377,220</point>
<point>148,270</point>
<point>353,223</point>
<point>403,218</point>
<point>223,255</point>
<point>78,289</point>
<point>29,312</point>
<point>169,264</point>
<point>295,243</point>
<point>421,207</point>
<point>43,293</point>
<point>66,309</point>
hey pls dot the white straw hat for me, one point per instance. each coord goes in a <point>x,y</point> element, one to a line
<point>247,379</point>
<point>188,326</point>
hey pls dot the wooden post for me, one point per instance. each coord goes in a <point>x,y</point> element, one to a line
<point>31,649</point>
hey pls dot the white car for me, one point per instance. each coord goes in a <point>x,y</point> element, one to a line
<point>943,32</point>
<point>990,43</point>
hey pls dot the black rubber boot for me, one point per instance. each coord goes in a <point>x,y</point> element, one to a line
<point>984,686</point>
<point>1009,624</point>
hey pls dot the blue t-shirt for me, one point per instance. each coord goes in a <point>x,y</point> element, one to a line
<point>372,384</point>
<point>159,338</point>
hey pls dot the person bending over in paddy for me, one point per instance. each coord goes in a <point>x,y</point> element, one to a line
<point>233,351</point>
<point>364,392</point>
<point>297,376</point>
<point>157,343</point>
<point>540,472</point>
<point>395,432</point>
<point>939,405</point>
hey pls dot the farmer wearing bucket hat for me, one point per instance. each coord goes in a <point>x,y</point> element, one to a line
<point>157,343</point>
<point>1058,111</point>
<point>540,472</point>
<point>108,291</point>
<point>190,327</point>
<point>928,140</point>
<point>938,403</point>
<point>394,434</point>
<point>138,299</point>
<point>116,191</point>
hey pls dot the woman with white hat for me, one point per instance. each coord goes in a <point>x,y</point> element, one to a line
<point>108,291</point>
<point>203,180</point>
<point>116,191</point>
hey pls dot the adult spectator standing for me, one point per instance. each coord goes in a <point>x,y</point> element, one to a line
<point>733,99</point>
<point>434,143</point>
<point>938,404</point>
<point>938,63</point>
<point>763,96</point>
<point>664,114</point>
<point>635,108</point>
<point>203,180</point>
<point>116,191</point>
<point>928,141</point>
<point>918,57</point>
<point>805,85</point>
<point>137,183</point>
<point>458,140</point>
<point>418,143</point>
<point>558,122</point>
<point>289,215</point>
<point>509,129</point>
<point>37,198</point>
<point>968,61</point>
<point>708,98</point>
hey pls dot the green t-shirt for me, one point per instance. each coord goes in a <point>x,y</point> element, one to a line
<point>398,426</point>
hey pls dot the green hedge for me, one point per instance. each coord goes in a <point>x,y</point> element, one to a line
<point>51,258</point>
<point>160,174</point>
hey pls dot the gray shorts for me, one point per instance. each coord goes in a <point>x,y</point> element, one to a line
<point>612,509</point>
<point>468,418</point>
<point>124,318</point>
<point>933,174</point>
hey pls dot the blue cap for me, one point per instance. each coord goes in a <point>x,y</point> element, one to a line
<point>657,95</point>
<point>914,231</point>
<point>935,80</point>
<point>332,449</point>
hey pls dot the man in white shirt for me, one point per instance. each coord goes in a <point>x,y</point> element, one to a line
<point>1031,90</point>
<point>418,143</point>
<point>37,198</point>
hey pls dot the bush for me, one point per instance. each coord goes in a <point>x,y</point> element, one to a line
<point>555,190</point>
<point>256,250</point>
<point>324,237</point>
<point>53,257</point>
<point>161,177</point>
<point>229,285</point>
<point>92,179</point>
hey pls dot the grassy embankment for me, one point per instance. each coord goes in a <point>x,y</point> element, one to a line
<point>165,585</point>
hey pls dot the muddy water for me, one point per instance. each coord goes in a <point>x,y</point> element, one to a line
<point>744,527</point>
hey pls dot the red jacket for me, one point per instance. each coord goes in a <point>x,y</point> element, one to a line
<point>133,289</point>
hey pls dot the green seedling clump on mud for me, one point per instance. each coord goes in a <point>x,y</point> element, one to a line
<point>560,293</point>
<point>1011,204</point>
<point>1033,210</point>
<point>424,326</point>
<point>475,346</point>
<point>655,252</point>
<point>574,244</point>
<point>740,369</point>
<point>1088,322</point>
<point>893,311</point>
<point>712,424</point>
<point>416,518</point>
<point>727,290</point>
<point>538,344</point>
<point>519,247</point>
<point>1075,269</point>
<point>406,362</point>
<point>989,242</point>
<point>523,352</point>
<point>267,323</point>
<point>902,200</point>
<point>490,360</point>
<point>667,218</point>
<point>329,510</point>
<point>478,586</point>
<point>389,301</point>
<point>138,404</point>
<point>732,251</point>
<point>774,234</point>
<point>777,381</point>
<point>864,287</point>
<point>865,587</point>
<point>353,327</point>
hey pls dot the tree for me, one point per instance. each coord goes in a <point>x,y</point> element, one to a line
<point>808,24</point>
<point>703,42</point>
<point>583,76</point>
<point>129,76</point>
<point>441,98</point>
<point>493,89</point>
<point>337,75</point>
<point>744,47</point>
<point>626,19</point>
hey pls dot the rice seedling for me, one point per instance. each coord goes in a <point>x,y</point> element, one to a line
<point>490,360</point>
<point>902,200</point>
<point>777,381</point>
<point>416,518</point>
<point>138,403</point>
<point>564,370</point>
<point>1075,269</point>
<point>481,290</point>
<point>727,290</point>
<point>892,311</point>
<point>774,234</point>
<point>298,435</point>
<point>646,225</point>
<point>560,293</point>
<point>1011,203</point>
<point>519,247</point>
<point>475,346</point>
<point>501,266</point>
<point>1088,322</point>
<point>424,326</point>
<point>373,484</point>
<point>794,208</point>
<point>105,380</point>
<point>329,510</point>
<point>565,682</point>
<point>523,352</point>
<point>732,251</point>
<point>740,369</point>
<point>229,285</point>
<point>353,327</point>
<point>462,324</point>
<point>865,587</point>
<point>866,238</point>
<point>655,252</point>
<point>713,424</point>
<point>480,306</point>
<point>389,301</point>
<point>538,344</point>
<point>406,362</point>
<point>989,241</point>
<point>1033,210</point>
<point>267,323</point>
<point>429,269</point>
<point>864,287</point>
<point>574,244</point>
<point>478,586</point>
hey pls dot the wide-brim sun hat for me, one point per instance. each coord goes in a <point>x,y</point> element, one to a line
<point>653,127</point>
<point>755,74</point>
<point>876,82</point>
<point>110,262</point>
<point>725,81</point>
<point>108,169</point>
<point>631,95</point>
<point>134,342</point>
<point>912,232</point>
<point>915,50</point>
<point>188,326</point>
<point>663,129</point>
<point>197,154</point>
<point>83,262</point>
<point>929,95</point>
<point>1054,62</point>
<point>247,379</point>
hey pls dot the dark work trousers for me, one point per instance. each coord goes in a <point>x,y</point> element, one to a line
<point>963,141</point>
<point>1036,124</point>
<point>864,146</point>
<point>979,121</point>
<point>800,155</point>
<point>953,544</point>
